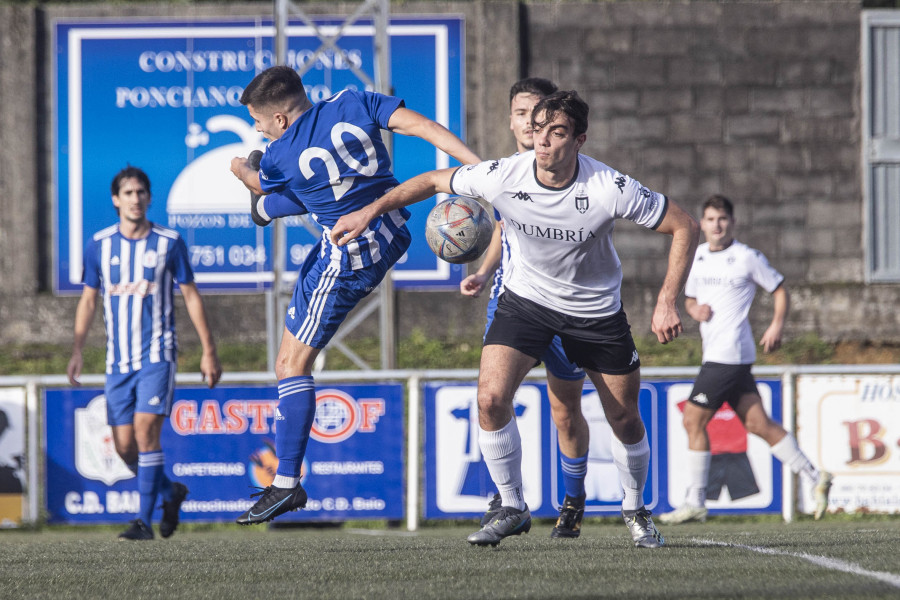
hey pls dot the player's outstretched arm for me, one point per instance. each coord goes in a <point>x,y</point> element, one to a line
<point>409,122</point>
<point>418,188</point>
<point>474,284</point>
<point>210,368</point>
<point>84,316</point>
<point>685,232</point>
<point>771,339</point>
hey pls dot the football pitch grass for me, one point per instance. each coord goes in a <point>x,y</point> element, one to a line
<point>842,557</point>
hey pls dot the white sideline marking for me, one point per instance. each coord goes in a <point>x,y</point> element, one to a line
<point>822,561</point>
<point>382,532</point>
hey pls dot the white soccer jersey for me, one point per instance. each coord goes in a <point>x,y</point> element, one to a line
<point>726,280</point>
<point>561,251</point>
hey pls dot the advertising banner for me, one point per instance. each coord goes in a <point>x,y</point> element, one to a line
<point>12,456</point>
<point>457,484</point>
<point>220,444</point>
<point>850,425</point>
<point>165,96</point>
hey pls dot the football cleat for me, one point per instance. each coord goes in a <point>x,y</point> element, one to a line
<point>259,216</point>
<point>568,525</point>
<point>821,492</point>
<point>171,509</point>
<point>643,531</point>
<point>493,508</point>
<point>684,514</point>
<point>137,531</point>
<point>274,501</point>
<point>508,521</point>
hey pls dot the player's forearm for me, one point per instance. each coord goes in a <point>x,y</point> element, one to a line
<point>408,122</point>
<point>782,303</point>
<point>84,316</point>
<point>197,314</point>
<point>681,256</point>
<point>494,253</point>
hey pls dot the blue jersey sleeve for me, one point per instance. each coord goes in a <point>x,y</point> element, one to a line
<point>381,107</point>
<point>283,204</point>
<point>271,179</point>
<point>180,264</point>
<point>91,276</point>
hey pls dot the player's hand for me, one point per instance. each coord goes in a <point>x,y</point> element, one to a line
<point>771,339</point>
<point>702,312</point>
<point>73,370</point>
<point>666,322</point>
<point>350,226</point>
<point>210,369</point>
<point>473,285</point>
<point>239,164</point>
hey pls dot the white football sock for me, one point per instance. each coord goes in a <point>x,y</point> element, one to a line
<point>502,451</point>
<point>789,453</point>
<point>633,462</point>
<point>698,475</point>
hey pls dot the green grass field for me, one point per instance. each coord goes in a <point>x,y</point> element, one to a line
<point>762,558</point>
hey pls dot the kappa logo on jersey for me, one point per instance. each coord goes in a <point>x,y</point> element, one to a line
<point>581,203</point>
<point>493,167</point>
<point>523,196</point>
<point>620,183</point>
<point>700,399</point>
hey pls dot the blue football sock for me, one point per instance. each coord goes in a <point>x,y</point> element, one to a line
<point>150,466</point>
<point>293,421</point>
<point>573,472</point>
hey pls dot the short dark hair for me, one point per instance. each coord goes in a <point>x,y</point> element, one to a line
<point>532,85</point>
<point>276,86</point>
<point>567,102</point>
<point>719,202</point>
<point>129,172</point>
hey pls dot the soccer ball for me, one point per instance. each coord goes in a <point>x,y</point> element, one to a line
<point>459,230</point>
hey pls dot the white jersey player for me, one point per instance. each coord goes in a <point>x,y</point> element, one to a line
<point>719,293</point>
<point>563,280</point>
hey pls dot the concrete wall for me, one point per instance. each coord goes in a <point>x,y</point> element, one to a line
<point>758,100</point>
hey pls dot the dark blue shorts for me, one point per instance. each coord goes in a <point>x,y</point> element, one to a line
<point>148,390</point>
<point>325,293</point>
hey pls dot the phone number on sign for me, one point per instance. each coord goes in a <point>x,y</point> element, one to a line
<point>236,256</point>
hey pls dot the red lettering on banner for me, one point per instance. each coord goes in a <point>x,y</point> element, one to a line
<point>372,410</point>
<point>875,449</point>
<point>235,417</point>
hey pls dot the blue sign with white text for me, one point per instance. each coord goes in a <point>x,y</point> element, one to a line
<point>744,478</point>
<point>164,96</point>
<point>220,444</point>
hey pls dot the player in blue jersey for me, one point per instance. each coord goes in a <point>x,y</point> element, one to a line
<point>133,266</point>
<point>327,159</point>
<point>565,379</point>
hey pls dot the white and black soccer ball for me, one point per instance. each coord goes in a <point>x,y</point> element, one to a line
<point>459,229</point>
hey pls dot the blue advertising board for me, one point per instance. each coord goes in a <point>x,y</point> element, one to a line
<point>220,444</point>
<point>164,96</point>
<point>458,485</point>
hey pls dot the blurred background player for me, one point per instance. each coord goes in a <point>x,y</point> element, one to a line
<point>327,159</point>
<point>565,380</point>
<point>564,279</point>
<point>133,264</point>
<point>719,292</point>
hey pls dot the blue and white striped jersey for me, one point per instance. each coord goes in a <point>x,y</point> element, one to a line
<point>332,160</point>
<point>136,280</point>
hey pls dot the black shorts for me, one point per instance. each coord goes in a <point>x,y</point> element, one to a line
<point>604,344</point>
<point>732,471</point>
<point>717,384</point>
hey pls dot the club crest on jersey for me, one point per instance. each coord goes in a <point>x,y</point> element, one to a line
<point>150,259</point>
<point>581,204</point>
